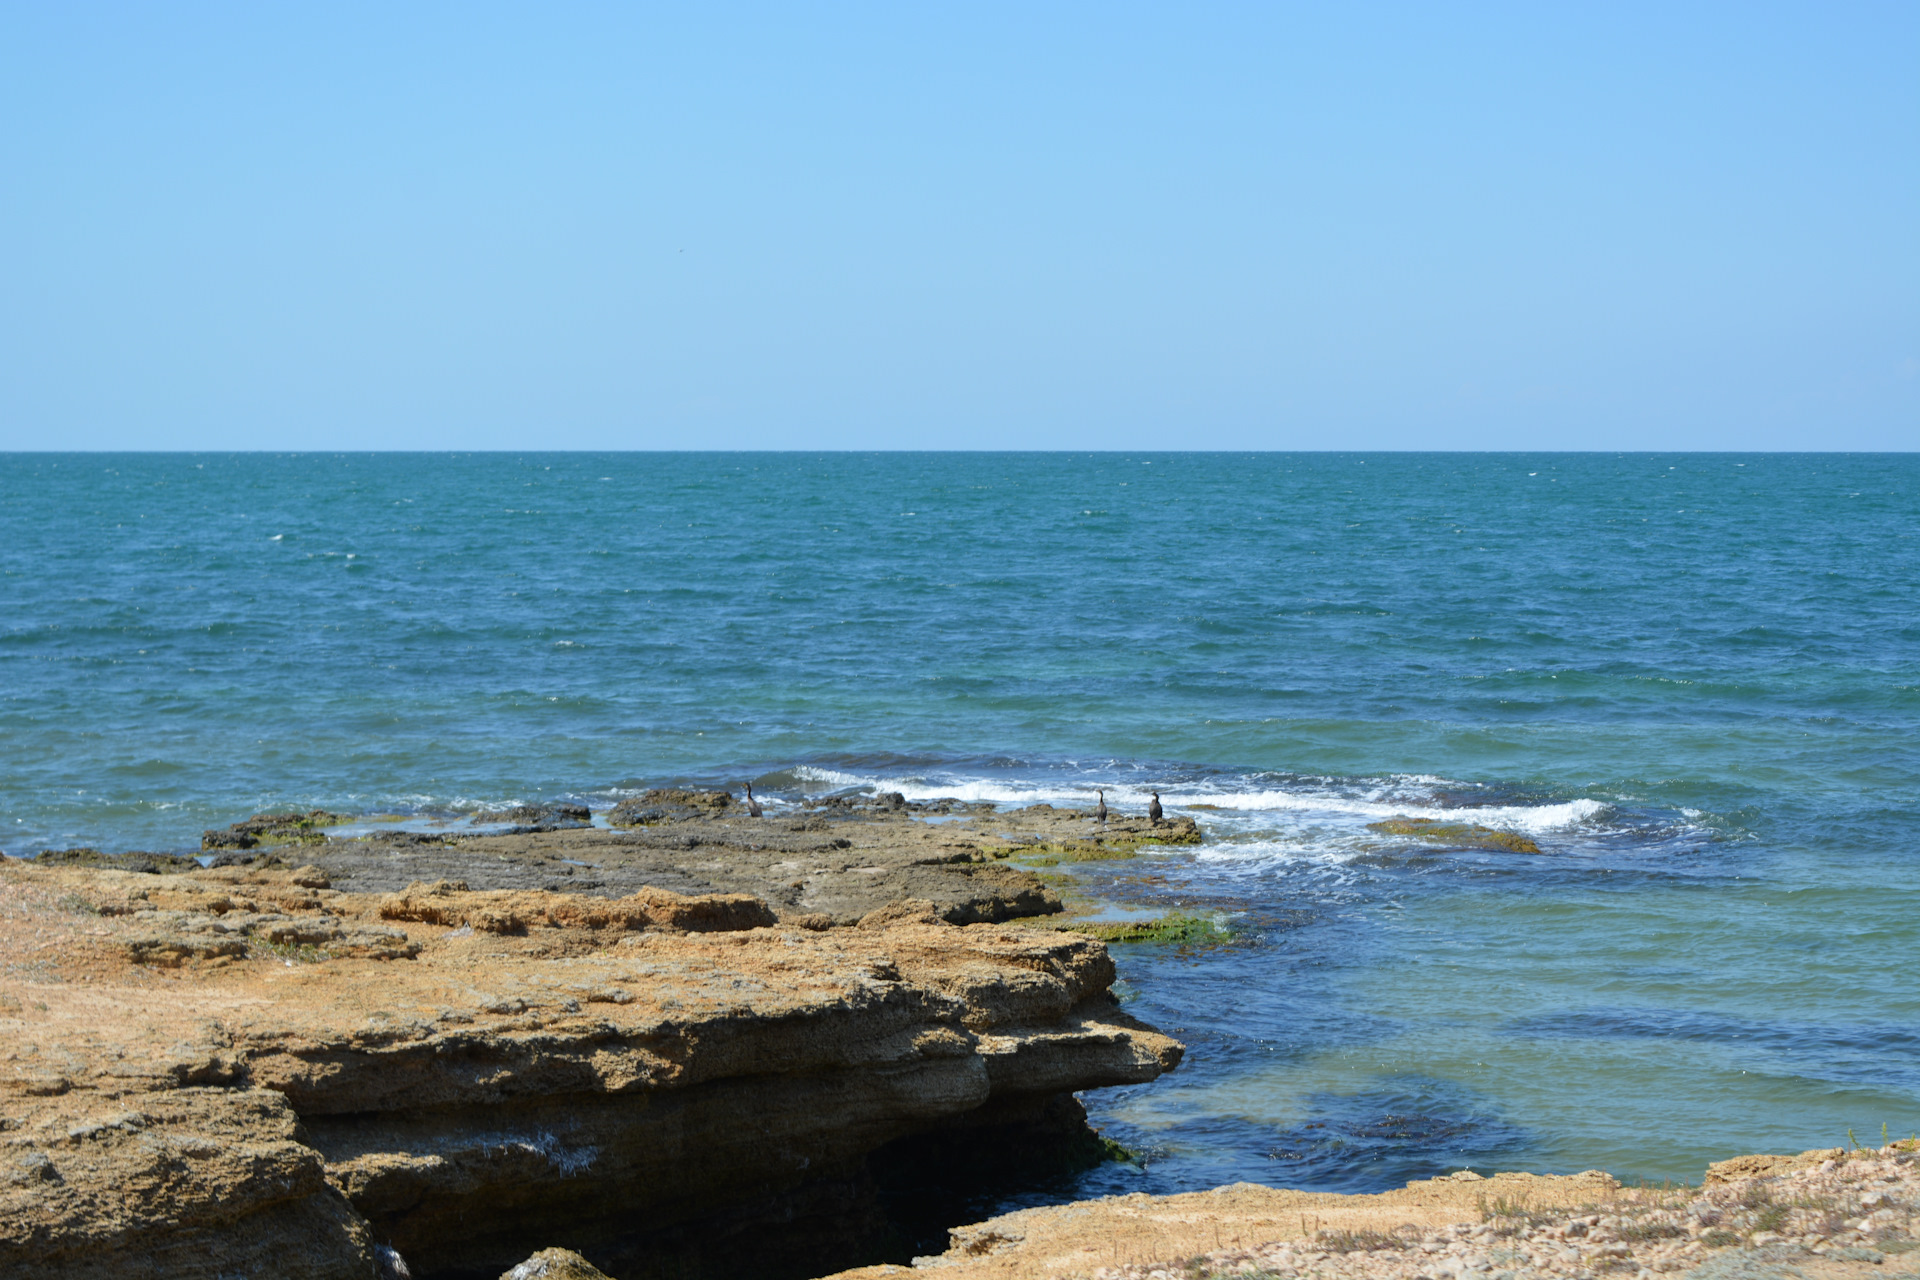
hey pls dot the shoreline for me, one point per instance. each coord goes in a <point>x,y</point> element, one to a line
<point>333,1047</point>
<point>1821,1215</point>
<point>405,1030</point>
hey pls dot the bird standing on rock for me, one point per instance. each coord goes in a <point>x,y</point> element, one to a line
<point>753,806</point>
<point>1153,809</point>
<point>1100,813</point>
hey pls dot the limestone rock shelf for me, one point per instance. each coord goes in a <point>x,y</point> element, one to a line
<point>250,1070</point>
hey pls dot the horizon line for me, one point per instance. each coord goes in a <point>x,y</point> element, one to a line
<point>975,452</point>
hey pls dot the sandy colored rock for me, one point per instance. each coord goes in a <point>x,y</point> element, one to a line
<point>1078,1239</point>
<point>451,903</point>
<point>1821,1215</point>
<point>168,1183</point>
<point>237,1058</point>
<point>1767,1166</point>
<point>840,861</point>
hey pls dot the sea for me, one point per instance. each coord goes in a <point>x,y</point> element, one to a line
<point>1692,681</point>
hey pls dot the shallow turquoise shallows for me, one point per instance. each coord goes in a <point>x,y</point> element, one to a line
<point>1693,681</point>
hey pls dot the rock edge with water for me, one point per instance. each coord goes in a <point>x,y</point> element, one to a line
<point>1821,1215</point>
<point>249,1070</point>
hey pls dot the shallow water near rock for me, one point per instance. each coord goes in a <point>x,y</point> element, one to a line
<point>1692,681</point>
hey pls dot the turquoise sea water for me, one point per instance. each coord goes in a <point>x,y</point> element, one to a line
<point>1694,680</point>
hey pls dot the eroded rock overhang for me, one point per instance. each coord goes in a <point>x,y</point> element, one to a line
<point>246,1065</point>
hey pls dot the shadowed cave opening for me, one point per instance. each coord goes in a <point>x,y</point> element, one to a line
<point>897,1203</point>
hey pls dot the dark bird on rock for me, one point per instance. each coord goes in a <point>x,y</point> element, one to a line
<point>753,806</point>
<point>1100,813</point>
<point>1153,809</point>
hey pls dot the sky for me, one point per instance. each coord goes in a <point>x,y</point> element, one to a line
<point>999,226</point>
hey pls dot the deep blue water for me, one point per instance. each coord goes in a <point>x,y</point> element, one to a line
<point>1693,679</point>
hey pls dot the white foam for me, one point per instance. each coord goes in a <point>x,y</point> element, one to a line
<point>427,805</point>
<point>1516,818</point>
<point>972,789</point>
<point>811,773</point>
<point>1394,797</point>
<point>1256,857</point>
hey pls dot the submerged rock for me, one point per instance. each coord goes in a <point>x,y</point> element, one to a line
<point>1179,929</point>
<point>1458,835</point>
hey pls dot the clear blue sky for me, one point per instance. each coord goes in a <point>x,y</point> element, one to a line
<point>1340,225</point>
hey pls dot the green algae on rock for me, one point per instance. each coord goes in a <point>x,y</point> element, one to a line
<point>155,863</point>
<point>1179,928</point>
<point>1460,835</point>
<point>273,828</point>
<point>1105,846</point>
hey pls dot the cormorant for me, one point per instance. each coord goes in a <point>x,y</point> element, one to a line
<point>1153,809</point>
<point>753,806</point>
<point>1101,813</point>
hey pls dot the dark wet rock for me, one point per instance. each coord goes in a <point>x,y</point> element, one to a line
<point>242,858</point>
<point>157,863</point>
<point>85,857</point>
<point>273,828</point>
<point>453,904</point>
<point>289,826</point>
<point>942,806</point>
<point>545,816</point>
<point>859,803</point>
<point>842,803</point>
<point>406,839</point>
<point>147,863</point>
<point>669,804</point>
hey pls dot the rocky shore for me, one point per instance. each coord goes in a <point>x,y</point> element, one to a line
<point>682,1046</point>
<point>826,865</point>
<point>692,1042</point>
<point>1822,1215</point>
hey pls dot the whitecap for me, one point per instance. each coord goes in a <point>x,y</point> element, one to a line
<point>1399,796</point>
<point>1531,819</point>
<point>971,789</point>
